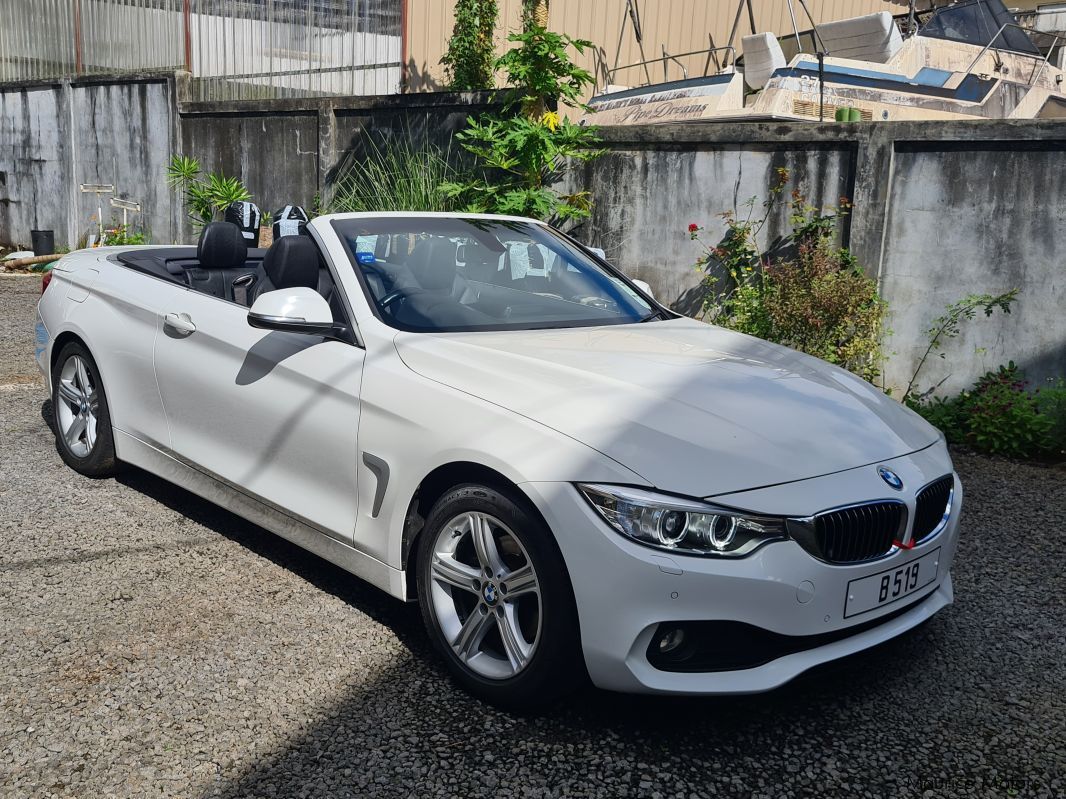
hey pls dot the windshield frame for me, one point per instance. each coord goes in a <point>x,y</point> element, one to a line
<point>657,310</point>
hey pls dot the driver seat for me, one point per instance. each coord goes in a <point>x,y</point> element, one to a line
<point>293,262</point>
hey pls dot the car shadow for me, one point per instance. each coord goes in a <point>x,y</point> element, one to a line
<point>592,706</point>
<point>413,704</point>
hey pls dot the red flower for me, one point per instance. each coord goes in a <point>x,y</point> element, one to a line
<point>693,227</point>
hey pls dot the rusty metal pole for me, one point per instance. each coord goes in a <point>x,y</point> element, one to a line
<point>77,37</point>
<point>186,15</point>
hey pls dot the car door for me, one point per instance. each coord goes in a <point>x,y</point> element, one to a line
<point>273,414</point>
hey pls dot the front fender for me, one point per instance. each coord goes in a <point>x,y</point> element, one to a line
<point>416,425</point>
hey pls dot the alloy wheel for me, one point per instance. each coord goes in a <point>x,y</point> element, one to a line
<point>77,406</point>
<point>485,595</point>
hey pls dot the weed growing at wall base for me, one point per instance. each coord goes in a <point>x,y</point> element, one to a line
<point>998,416</point>
<point>818,300</point>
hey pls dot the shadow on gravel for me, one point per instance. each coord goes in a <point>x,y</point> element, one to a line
<point>436,740</point>
<point>403,619</point>
<point>409,731</point>
<point>430,732</point>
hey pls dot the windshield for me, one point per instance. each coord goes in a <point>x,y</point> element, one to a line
<point>979,22</point>
<point>438,274</point>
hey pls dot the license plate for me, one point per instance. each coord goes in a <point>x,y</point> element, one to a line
<point>891,585</point>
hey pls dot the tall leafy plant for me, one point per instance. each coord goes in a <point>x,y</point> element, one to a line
<point>470,59</point>
<point>206,196</point>
<point>522,153</point>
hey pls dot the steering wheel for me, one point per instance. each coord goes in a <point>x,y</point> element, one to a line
<point>391,297</point>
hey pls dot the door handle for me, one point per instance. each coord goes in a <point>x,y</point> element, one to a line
<point>179,323</point>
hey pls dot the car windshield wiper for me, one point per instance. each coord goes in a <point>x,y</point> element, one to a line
<point>653,315</point>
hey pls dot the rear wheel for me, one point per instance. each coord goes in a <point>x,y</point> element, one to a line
<point>80,417</point>
<point>496,599</point>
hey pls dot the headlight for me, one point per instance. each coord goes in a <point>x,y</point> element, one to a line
<point>681,525</point>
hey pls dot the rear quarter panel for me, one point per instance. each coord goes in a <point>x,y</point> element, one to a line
<point>115,311</point>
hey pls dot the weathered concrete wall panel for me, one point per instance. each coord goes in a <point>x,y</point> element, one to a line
<point>942,210</point>
<point>978,219</point>
<point>33,156</point>
<point>274,154</point>
<point>55,137</point>
<point>646,198</point>
<point>123,134</point>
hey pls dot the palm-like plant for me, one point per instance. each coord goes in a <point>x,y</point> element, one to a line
<point>205,196</point>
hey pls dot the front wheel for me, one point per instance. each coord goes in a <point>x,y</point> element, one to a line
<point>80,417</point>
<point>496,599</point>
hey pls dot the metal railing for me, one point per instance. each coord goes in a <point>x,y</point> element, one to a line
<point>1039,65</point>
<point>608,74</point>
<point>234,49</point>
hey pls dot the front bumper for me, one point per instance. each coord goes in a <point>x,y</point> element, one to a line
<point>625,591</point>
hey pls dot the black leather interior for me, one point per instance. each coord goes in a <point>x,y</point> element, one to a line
<point>223,268</point>
<point>436,302</point>
<point>221,246</point>
<point>432,262</point>
<point>482,264</point>
<point>293,262</point>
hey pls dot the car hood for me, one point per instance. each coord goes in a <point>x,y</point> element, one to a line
<point>691,408</point>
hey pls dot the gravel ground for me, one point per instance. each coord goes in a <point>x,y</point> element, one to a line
<point>154,645</point>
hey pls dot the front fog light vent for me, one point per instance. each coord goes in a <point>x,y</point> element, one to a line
<point>671,639</point>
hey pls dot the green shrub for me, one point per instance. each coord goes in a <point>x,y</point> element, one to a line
<point>1051,400</point>
<point>521,153</point>
<point>123,235</point>
<point>949,325</point>
<point>205,196</point>
<point>819,301</point>
<point>998,416</point>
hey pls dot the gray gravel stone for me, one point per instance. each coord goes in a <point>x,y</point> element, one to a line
<point>154,645</point>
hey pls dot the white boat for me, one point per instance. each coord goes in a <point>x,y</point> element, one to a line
<point>970,59</point>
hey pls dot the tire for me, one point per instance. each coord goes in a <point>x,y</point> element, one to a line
<point>81,419</point>
<point>538,660</point>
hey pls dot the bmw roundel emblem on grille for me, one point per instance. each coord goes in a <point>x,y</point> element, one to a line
<point>890,477</point>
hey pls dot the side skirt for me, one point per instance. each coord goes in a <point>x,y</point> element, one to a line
<point>145,456</point>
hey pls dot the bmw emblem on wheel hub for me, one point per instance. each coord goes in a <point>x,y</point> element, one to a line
<point>890,477</point>
<point>490,593</point>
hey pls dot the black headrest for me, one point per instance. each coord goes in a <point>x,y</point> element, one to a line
<point>221,246</point>
<point>292,262</point>
<point>536,257</point>
<point>481,262</point>
<point>432,262</point>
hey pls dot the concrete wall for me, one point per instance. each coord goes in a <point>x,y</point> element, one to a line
<point>55,137</point>
<point>941,210</point>
<point>287,151</point>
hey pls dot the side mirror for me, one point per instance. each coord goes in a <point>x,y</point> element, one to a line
<point>643,286</point>
<point>298,310</point>
<point>598,252</point>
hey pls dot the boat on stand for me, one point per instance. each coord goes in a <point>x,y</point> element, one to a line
<point>968,60</point>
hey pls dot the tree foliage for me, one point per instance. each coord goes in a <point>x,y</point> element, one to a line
<point>521,153</point>
<point>470,59</point>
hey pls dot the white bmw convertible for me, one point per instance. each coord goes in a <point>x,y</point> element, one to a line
<point>480,414</point>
